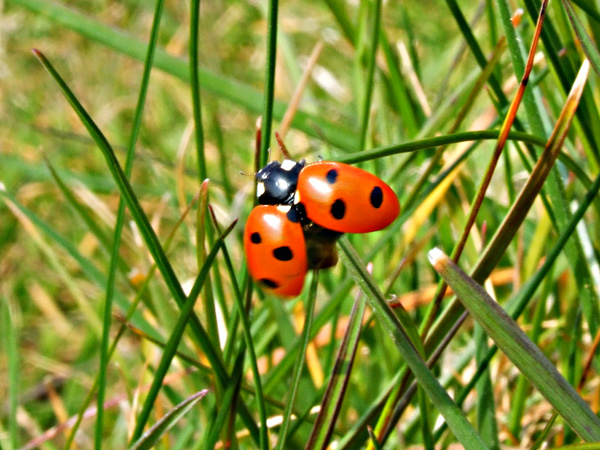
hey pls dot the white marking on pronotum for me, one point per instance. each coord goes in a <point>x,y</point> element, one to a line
<point>260,189</point>
<point>435,255</point>
<point>284,208</point>
<point>297,197</point>
<point>288,164</point>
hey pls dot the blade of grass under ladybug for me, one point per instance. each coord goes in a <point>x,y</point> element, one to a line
<point>340,374</point>
<point>368,92</point>
<point>589,48</point>
<point>462,429</point>
<point>519,349</point>
<point>116,241</point>
<point>269,92</point>
<point>244,95</point>
<point>176,335</point>
<point>151,437</point>
<point>246,329</point>
<point>299,366</point>
<point>149,236</point>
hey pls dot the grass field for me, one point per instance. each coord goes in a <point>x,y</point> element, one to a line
<point>127,316</point>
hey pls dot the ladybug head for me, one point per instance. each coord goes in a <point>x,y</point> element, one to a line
<point>277,182</point>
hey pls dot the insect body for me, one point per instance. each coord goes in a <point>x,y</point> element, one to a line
<point>314,205</point>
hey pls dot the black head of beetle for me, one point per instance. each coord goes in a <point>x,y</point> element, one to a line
<point>277,182</point>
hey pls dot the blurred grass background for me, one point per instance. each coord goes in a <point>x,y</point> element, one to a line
<point>428,79</point>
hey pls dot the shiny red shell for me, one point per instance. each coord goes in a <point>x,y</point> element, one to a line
<point>275,251</point>
<point>345,198</point>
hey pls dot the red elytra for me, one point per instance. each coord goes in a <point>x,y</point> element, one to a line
<point>345,198</point>
<point>275,251</point>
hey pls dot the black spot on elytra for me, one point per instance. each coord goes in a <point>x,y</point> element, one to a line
<point>338,209</point>
<point>293,215</point>
<point>269,283</point>
<point>331,176</point>
<point>283,253</point>
<point>255,238</point>
<point>376,197</point>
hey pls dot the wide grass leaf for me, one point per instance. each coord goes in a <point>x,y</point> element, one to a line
<point>519,348</point>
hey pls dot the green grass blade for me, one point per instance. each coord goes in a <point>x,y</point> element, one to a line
<point>368,92</point>
<point>195,82</point>
<point>151,437</point>
<point>175,338</point>
<point>518,347</point>
<point>587,44</point>
<point>336,387</point>
<point>455,419</point>
<point>147,232</point>
<point>299,366</point>
<point>269,92</point>
<point>243,315</point>
<point>429,143</point>
<point>518,211</point>
<point>115,257</point>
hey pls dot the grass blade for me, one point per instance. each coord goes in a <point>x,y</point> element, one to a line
<point>587,44</point>
<point>455,419</point>
<point>269,92</point>
<point>114,259</point>
<point>176,335</point>
<point>518,347</point>
<point>151,437</point>
<point>147,232</point>
<point>336,388</point>
<point>299,366</point>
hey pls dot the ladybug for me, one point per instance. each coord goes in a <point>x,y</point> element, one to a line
<point>314,204</point>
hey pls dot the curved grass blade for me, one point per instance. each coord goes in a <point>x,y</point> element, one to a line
<point>428,143</point>
<point>115,258</point>
<point>160,258</point>
<point>462,429</point>
<point>151,437</point>
<point>336,388</point>
<point>519,348</point>
<point>176,335</point>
